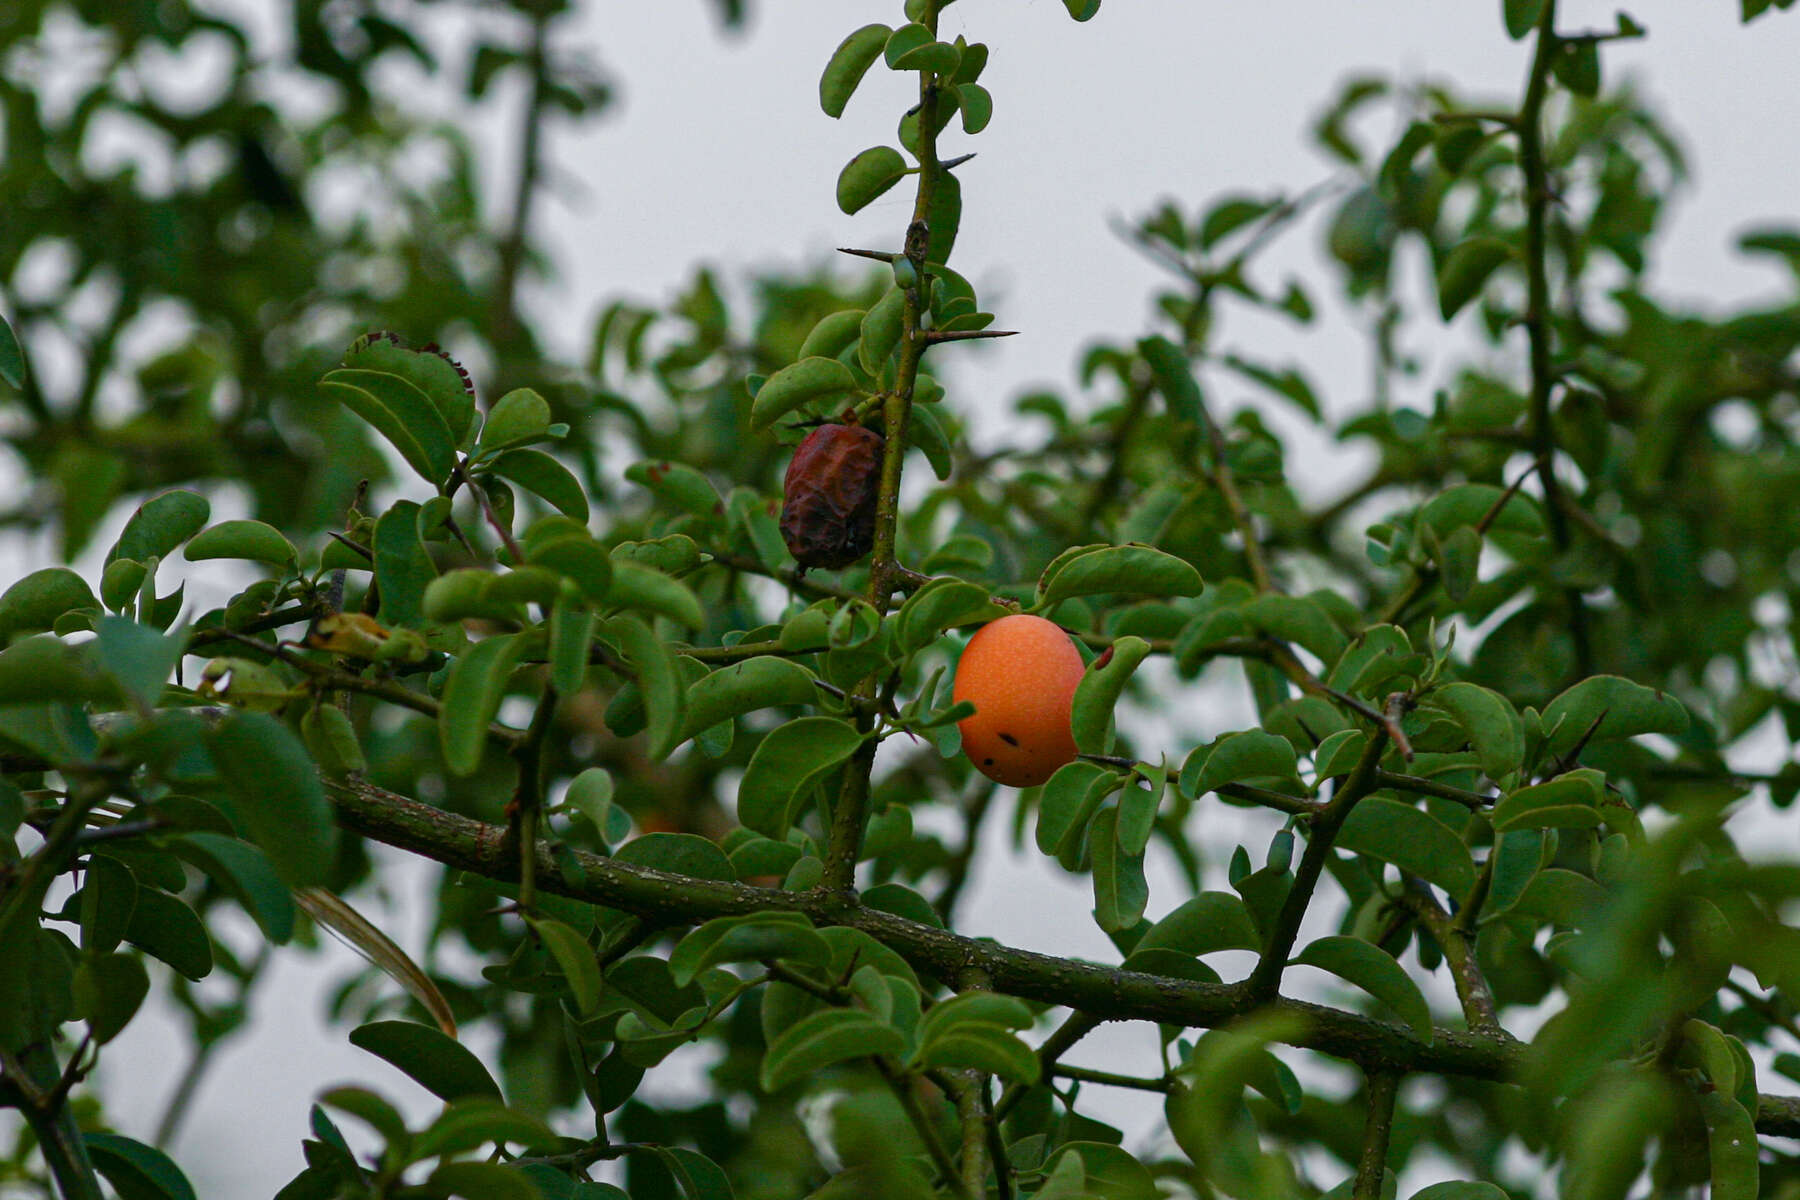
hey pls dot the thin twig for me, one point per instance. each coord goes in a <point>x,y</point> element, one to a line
<point>1383,1087</point>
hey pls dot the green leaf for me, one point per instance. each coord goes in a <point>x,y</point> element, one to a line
<point>247,874</point>
<point>939,605</point>
<point>1132,569</point>
<point>140,658</point>
<point>977,1007</point>
<point>275,790</point>
<point>108,896</point>
<point>1562,803</point>
<point>542,475</point>
<point>1120,890</point>
<point>831,336</point>
<point>402,414</point>
<point>659,678</point>
<point>467,592</point>
<point>108,990</point>
<point>571,641</point>
<point>679,485</point>
<point>1732,1146</point>
<point>758,937</point>
<point>590,793</point>
<point>977,107</point>
<point>1287,382</point>
<point>1069,798</point>
<point>1169,367</point>
<point>574,957</point>
<point>44,668</point>
<point>1458,559</point>
<point>828,1036</point>
<point>679,854</point>
<point>159,525</point>
<point>476,1121</point>
<point>1461,1191</point>
<point>472,697</point>
<point>1577,65</point>
<point>810,379</point>
<point>785,765</point>
<point>519,416</point>
<point>1302,620</point>
<point>480,1181</point>
<point>578,558</point>
<point>431,371</point>
<point>1082,10</point>
<point>1465,268</point>
<point>1375,972</point>
<point>36,994</point>
<point>1468,503</point>
<point>33,604</point>
<point>880,332</point>
<point>1491,722</point>
<point>165,928</point>
<point>1210,921</point>
<point>905,41</point>
<point>764,681</point>
<point>1560,897</point>
<point>369,1108</point>
<point>639,587</point>
<point>12,357</point>
<point>863,179</point>
<point>403,568</point>
<point>136,1171</point>
<point>1522,16</point>
<point>1621,708</point>
<point>435,1061</point>
<point>1099,691</point>
<point>1410,838</point>
<point>849,63</point>
<point>252,540</point>
<point>1252,756</point>
<point>698,1176</point>
<point>980,1047</point>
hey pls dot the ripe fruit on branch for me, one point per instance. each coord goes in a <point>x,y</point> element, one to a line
<point>1020,672</point>
<point>828,497</point>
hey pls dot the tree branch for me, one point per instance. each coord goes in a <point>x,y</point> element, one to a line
<point>1098,993</point>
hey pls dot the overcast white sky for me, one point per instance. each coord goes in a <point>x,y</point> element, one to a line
<point>719,154</point>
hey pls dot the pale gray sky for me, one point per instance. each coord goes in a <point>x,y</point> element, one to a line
<point>719,154</point>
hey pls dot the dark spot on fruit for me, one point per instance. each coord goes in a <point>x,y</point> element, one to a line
<point>1009,739</point>
<point>987,762</point>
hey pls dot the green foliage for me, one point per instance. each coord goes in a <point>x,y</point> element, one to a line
<point>1497,700</point>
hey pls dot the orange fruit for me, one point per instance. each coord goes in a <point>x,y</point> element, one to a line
<point>1020,674</point>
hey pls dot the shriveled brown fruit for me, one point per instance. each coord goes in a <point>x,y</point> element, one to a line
<point>828,497</point>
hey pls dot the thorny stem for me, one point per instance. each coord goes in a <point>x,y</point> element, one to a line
<point>920,1120</point>
<point>489,515</point>
<point>1109,1079</point>
<point>851,811</point>
<point>1265,979</point>
<point>972,1109</point>
<point>528,797</point>
<point>1059,1043</point>
<point>28,1079</point>
<point>1472,988</point>
<point>1383,1086</point>
<point>531,126</point>
<point>1537,313</point>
